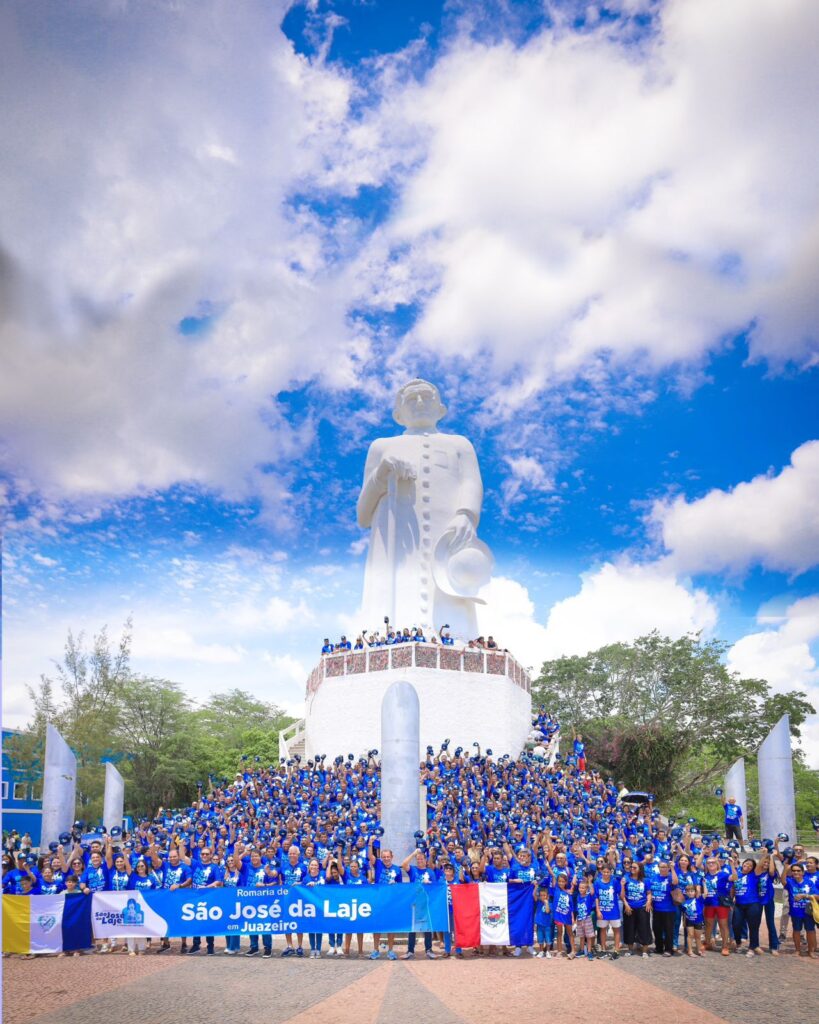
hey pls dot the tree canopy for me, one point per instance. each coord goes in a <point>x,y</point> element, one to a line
<point>663,714</point>
<point>162,743</point>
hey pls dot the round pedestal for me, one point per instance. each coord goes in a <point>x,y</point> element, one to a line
<point>481,698</point>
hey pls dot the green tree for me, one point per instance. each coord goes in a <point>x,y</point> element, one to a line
<point>663,714</point>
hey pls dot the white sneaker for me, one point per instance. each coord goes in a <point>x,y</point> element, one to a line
<point>548,955</point>
<point>539,955</point>
<point>516,951</point>
<point>532,951</point>
<point>339,951</point>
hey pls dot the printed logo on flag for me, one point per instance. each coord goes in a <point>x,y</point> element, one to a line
<point>494,914</point>
<point>46,921</point>
<point>133,913</point>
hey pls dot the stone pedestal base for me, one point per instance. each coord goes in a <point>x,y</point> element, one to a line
<point>464,696</point>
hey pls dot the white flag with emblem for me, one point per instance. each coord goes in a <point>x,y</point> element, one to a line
<point>494,910</point>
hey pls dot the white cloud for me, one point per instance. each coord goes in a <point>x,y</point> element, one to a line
<point>509,616</point>
<point>196,123</point>
<point>772,520</point>
<point>174,644</point>
<point>577,195</point>
<point>784,656</point>
<point>621,601</point>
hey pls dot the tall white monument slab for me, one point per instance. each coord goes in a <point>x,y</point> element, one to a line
<point>777,805</point>
<point>421,500</point>
<point>735,787</point>
<point>400,754</point>
<point>113,803</point>
<point>59,787</point>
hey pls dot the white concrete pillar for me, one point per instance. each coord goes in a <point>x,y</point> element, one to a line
<point>777,805</point>
<point>113,805</point>
<point>400,757</point>
<point>59,787</point>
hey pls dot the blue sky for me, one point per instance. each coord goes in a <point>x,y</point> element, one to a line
<point>593,226</point>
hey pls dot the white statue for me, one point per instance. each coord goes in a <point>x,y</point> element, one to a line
<point>421,499</point>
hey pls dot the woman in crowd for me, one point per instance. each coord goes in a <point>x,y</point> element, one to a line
<point>636,896</point>
<point>747,907</point>
<point>230,880</point>
<point>663,881</point>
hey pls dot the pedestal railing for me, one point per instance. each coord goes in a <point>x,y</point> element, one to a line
<point>415,655</point>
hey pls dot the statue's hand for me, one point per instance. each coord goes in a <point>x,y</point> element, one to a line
<point>392,466</point>
<point>463,532</point>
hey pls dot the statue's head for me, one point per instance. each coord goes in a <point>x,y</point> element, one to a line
<point>418,404</point>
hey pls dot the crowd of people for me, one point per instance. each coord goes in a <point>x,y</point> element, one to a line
<point>389,636</point>
<point>610,877</point>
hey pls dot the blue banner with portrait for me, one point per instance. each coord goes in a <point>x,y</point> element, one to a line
<point>271,910</point>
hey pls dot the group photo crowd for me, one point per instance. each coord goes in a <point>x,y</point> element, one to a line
<point>609,875</point>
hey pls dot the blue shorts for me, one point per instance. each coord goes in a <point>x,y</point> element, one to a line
<point>545,933</point>
<point>807,921</point>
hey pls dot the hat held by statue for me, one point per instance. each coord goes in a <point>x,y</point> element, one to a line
<point>461,573</point>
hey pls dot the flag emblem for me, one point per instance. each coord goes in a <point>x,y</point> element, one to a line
<point>494,914</point>
<point>46,921</point>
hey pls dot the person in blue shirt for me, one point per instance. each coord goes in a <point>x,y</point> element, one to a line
<point>766,876</point>
<point>607,906</point>
<point>799,904</point>
<point>383,872</point>
<point>327,647</point>
<point>419,872</point>
<point>636,895</point>
<point>692,909</point>
<point>351,874</point>
<point>662,908</point>
<point>254,873</point>
<point>313,878</point>
<point>584,907</point>
<point>747,907</point>
<point>172,875</point>
<point>579,751</point>
<point>544,923</point>
<point>733,819</point>
<point>204,875</point>
<point>562,899</point>
<point>231,878</point>
<point>293,871</point>
<point>343,644</point>
<point>47,884</point>
<point>716,890</point>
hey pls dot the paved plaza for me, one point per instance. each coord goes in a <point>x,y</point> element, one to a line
<point>133,990</point>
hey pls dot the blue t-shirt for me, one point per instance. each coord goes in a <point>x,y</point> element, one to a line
<point>427,875</point>
<point>746,888</point>
<point>543,915</point>
<point>118,880</point>
<point>255,877</point>
<point>562,906</point>
<point>387,875</point>
<point>141,883</point>
<point>636,891</point>
<point>170,875</point>
<point>661,893</point>
<point>293,874</point>
<point>95,879</point>
<point>798,908</point>
<point>584,905</point>
<point>494,874</point>
<point>523,873</point>
<point>765,885</point>
<point>715,886</point>
<point>733,813</point>
<point>692,909</point>
<point>204,875</point>
<point>607,894</point>
<point>52,888</point>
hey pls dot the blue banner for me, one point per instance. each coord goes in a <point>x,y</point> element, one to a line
<point>272,910</point>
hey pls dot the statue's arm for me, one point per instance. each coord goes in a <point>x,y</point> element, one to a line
<point>372,489</point>
<point>470,492</point>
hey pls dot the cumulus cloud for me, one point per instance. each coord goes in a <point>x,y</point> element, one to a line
<point>167,142</point>
<point>772,520</point>
<point>577,195</point>
<point>783,655</point>
<point>621,601</point>
<point>509,616</point>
